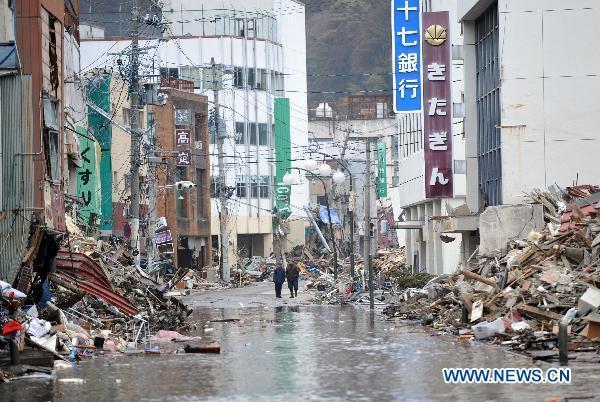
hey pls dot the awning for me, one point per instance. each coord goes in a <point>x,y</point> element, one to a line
<point>79,272</point>
<point>8,56</point>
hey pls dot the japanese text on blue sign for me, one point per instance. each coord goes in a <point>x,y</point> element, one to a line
<point>406,45</point>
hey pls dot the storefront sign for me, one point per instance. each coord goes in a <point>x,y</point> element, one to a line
<point>381,170</point>
<point>282,156</point>
<point>437,99</point>
<point>406,52</point>
<point>182,136</point>
<point>184,158</point>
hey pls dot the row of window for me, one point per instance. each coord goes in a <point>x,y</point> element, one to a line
<point>257,79</point>
<point>254,79</point>
<point>255,186</point>
<point>257,134</point>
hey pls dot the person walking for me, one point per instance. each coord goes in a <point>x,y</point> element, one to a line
<point>278,278</point>
<point>292,274</point>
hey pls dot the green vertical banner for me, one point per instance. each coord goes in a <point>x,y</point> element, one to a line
<point>98,91</point>
<point>283,156</point>
<point>88,178</point>
<point>381,170</point>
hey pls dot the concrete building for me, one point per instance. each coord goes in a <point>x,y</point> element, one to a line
<point>531,83</point>
<point>260,45</point>
<point>428,245</point>
<point>338,133</point>
<point>180,127</point>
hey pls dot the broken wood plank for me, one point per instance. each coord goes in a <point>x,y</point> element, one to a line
<point>535,312</point>
<point>478,278</point>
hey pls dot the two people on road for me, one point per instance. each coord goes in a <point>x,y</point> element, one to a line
<point>292,274</point>
<point>278,278</point>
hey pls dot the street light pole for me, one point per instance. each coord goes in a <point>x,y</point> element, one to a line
<point>368,257</point>
<point>351,216</point>
<point>334,248</point>
<point>350,211</point>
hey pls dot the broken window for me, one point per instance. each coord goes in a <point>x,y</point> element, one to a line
<point>52,139</point>
<point>53,53</point>
<point>183,117</point>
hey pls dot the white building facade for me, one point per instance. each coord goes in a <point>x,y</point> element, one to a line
<point>531,83</point>
<point>260,47</point>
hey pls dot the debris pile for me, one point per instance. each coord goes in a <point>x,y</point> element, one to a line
<point>518,298</point>
<point>93,298</point>
<point>390,276</point>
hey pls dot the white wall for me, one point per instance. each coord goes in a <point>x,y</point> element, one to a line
<point>549,94</point>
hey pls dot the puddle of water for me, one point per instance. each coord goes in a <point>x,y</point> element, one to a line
<point>298,353</point>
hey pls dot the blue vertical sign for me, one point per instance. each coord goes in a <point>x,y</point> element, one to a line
<point>406,45</point>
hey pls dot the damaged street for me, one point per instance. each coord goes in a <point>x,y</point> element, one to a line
<point>290,351</point>
<point>237,200</point>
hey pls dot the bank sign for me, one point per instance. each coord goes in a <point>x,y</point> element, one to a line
<point>437,116</point>
<point>406,46</point>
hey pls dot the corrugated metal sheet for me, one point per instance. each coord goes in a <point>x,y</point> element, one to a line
<point>16,137</point>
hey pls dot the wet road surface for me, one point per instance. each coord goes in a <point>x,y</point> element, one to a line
<point>287,351</point>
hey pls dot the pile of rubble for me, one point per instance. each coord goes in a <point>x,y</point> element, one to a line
<point>94,298</point>
<point>518,298</point>
<point>390,276</point>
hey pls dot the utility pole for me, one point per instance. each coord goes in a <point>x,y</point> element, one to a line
<point>368,257</point>
<point>134,208</point>
<point>351,216</point>
<point>221,133</point>
<point>151,195</point>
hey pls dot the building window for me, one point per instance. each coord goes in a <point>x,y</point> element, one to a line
<point>52,140</point>
<point>238,77</point>
<point>253,133</point>
<point>241,186</point>
<point>192,74</point>
<point>214,185</point>
<point>263,134</point>
<point>251,76</point>
<point>169,72</point>
<point>411,134</point>
<point>254,187</point>
<point>239,132</point>
<point>261,79</point>
<point>264,187</point>
<point>198,126</point>
<point>488,106</point>
<point>276,81</point>
<point>200,191</point>
<point>382,110</point>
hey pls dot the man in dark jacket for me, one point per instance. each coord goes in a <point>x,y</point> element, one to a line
<point>278,278</point>
<point>293,274</point>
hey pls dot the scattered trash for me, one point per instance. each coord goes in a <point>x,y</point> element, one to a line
<point>521,295</point>
<point>210,348</point>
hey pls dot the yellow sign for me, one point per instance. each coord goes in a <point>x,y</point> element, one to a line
<point>436,35</point>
